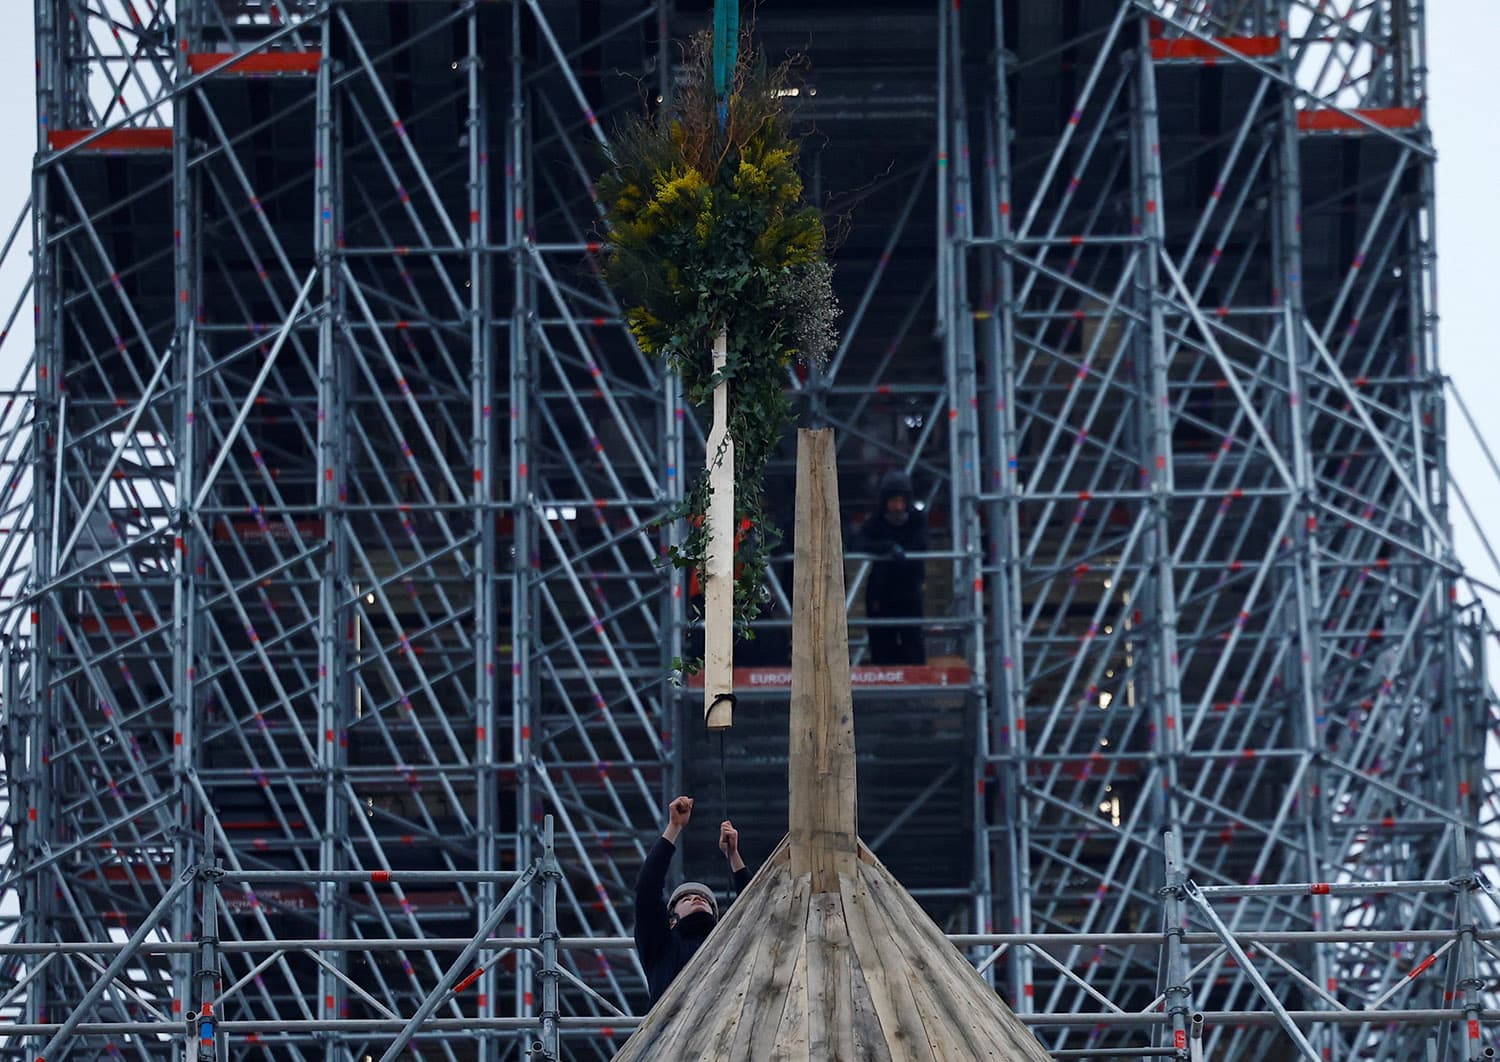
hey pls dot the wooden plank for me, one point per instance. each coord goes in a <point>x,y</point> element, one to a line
<point>791,1033</point>
<point>730,1002</point>
<point>880,963</point>
<point>755,958</point>
<point>830,1013</point>
<point>909,963</point>
<point>869,1039</point>
<point>766,989</point>
<point>712,973</point>
<point>830,960</point>
<point>822,784</point>
<point>972,1021</point>
<point>718,568</point>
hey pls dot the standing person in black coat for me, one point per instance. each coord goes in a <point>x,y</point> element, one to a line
<point>668,934</point>
<point>894,591</point>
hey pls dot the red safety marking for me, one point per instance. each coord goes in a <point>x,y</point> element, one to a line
<point>1179,1037</point>
<point>1192,48</point>
<point>1421,966</point>
<point>1473,1032</point>
<point>1323,121</point>
<point>1319,888</point>
<point>467,981</point>
<point>114,140</point>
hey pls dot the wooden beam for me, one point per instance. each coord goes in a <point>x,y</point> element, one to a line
<point>718,575</point>
<point>822,795</point>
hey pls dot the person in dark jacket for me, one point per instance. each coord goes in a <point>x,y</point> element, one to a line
<point>668,934</point>
<point>894,591</point>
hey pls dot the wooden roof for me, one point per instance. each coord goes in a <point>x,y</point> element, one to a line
<point>825,955</point>
<point>859,973</point>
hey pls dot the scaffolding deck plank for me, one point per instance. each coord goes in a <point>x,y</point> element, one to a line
<point>261,64</point>
<point>113,140</point>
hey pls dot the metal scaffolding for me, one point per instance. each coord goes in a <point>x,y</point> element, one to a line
<point>332,560</point>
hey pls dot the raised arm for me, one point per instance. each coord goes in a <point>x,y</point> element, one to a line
<point>729,844</point>
<point>651,929</point>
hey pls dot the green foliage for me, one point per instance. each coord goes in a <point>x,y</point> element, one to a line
<point>708,231</point>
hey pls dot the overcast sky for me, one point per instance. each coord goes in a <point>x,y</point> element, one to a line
<point>1464,84</point>
<point>1464,87</point>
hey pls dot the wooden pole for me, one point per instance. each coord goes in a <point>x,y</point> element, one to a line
<point>718,582</point>
<point>822,783</point>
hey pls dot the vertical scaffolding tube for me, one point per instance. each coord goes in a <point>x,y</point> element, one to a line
<point>487,821</point>
<point>965,444</point>
<point>520,383</point>
<point>338,609</point>
<point>209,978</point>
<point>37,705</point>
<point>1178,995</point>
<point>550,875</point>
<point>1306,666</point>
<point>1164,692</point>
<point>1008,704</point>
<point>183,351</point>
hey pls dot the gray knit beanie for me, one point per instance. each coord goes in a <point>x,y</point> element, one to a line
<point>694,888</point>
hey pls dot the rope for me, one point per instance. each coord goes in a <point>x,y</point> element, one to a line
<point>724,774</point>
<point>723,780</point>
<point>724,796</point>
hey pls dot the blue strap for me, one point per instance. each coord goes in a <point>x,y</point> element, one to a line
<point>726,50</point>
